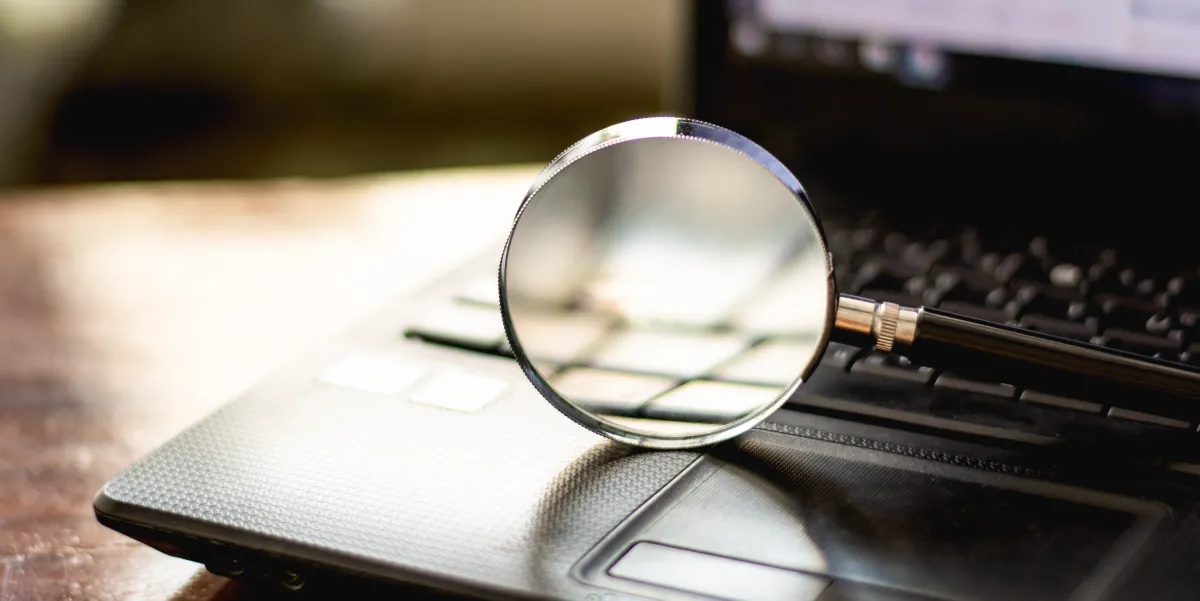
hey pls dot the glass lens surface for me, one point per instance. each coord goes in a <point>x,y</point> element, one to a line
<point>666,287</point>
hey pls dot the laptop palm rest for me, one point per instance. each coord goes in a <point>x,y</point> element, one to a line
<point>782,517</point>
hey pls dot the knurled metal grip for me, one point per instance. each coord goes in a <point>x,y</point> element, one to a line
<point>888,324</point>
<point>887,318</point>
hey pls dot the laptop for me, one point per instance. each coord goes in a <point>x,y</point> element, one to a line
<point>1029,163</point>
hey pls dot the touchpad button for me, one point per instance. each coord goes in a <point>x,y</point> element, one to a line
<point>890,520</point>
<point>715,575</point>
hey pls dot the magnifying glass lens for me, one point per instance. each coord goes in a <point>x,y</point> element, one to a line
<point>666,284</point>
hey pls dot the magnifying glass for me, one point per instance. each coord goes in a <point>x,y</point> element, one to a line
<point>666,283</point>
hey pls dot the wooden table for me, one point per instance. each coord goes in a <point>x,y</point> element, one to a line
<point>128,312</point>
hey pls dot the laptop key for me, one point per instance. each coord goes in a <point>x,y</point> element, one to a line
<point>941,409</point>
<point>924,255</point>
<point>458,390</point>
<point>710,402</point>
<point>951,288</point>
<point>458,324</point>
<point>965,284</point>
<point>840,356</point>
<point>1112,280</point>
<point>1189,320</point>
<point>1184,291</point>
<point>609,392</point>
<point>1161,324</point>
<point>1191,356</point>
<point>774,362</point>
<point>1050,400</point>
<point>559,338</point>
<point>1018,267</point>
<point>679,355</point>
<point>1137,342</point>
<point>1066,275</point>
<point>885,274</point>
<point>955,382</point>
<point>1147,418</point>
<point>1127,313</point>
<point>1041,300</point>
<point>892,366</point>
<point>386,373</point>
<point>925,288</point>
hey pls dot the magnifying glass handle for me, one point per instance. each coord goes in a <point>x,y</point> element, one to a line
<point>999,352</point>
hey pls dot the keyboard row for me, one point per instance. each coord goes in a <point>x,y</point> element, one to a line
<point>639,367</point>
<point>1089,294</point>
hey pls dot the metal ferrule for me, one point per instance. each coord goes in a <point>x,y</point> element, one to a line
<point>886,323</point>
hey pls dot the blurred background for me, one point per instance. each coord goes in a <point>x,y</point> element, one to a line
<point>927,97</point>
<point>103,90</point>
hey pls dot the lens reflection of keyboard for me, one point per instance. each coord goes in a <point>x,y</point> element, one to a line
<point>1094,295</point>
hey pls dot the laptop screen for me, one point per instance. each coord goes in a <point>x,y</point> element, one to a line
<point>995,110</point>
<point>916,40</point>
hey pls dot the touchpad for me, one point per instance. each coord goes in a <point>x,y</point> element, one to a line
<point>817,516</point>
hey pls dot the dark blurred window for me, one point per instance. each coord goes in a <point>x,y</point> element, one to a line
<point>151,89</point>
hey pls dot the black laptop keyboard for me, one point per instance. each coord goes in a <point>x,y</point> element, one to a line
<point>1083,294</point>
<point>1093,294</point>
